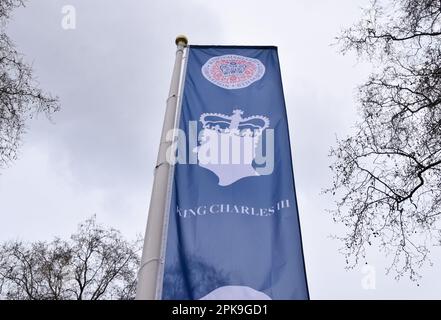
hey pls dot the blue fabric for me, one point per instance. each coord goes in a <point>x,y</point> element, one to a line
<point>210,246</point>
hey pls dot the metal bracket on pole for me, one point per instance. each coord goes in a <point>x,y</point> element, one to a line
<point>171,97</point>
<point>159,164</point>
<point>147,262</point>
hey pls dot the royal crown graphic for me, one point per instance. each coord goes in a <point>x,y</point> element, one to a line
<point>232,68</point>
<point>227,144</point>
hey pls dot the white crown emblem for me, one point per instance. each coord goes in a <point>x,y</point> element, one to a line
<point>228,143</point>
<point>233,71</point>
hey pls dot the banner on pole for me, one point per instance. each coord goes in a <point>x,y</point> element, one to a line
<point>232,228</point>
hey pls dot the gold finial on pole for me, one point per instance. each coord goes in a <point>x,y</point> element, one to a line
<point>181,39</point>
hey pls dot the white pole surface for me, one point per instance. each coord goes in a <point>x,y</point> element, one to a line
<point>151,253</point>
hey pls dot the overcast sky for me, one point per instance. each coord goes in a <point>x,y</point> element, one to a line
<point>112,75</point>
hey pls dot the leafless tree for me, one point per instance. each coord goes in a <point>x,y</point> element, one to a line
<point>95,263</point>
<point>20,95</point>
<point>387,175</point>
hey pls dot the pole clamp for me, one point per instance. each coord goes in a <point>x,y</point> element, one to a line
<point>161,261</point>
<point>171,97</point>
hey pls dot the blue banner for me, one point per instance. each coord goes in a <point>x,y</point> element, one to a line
<point>233,228</point>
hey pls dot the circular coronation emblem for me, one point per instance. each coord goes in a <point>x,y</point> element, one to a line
<point>233,71</point>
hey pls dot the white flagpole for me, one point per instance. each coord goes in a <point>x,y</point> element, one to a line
<point>151,253</point>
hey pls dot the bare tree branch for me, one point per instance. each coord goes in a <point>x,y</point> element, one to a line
<point>20,95</point>
<point>387,175</point>
<point>96,263</point>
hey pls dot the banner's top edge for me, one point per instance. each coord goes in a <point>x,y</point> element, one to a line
<point>231,46</point>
